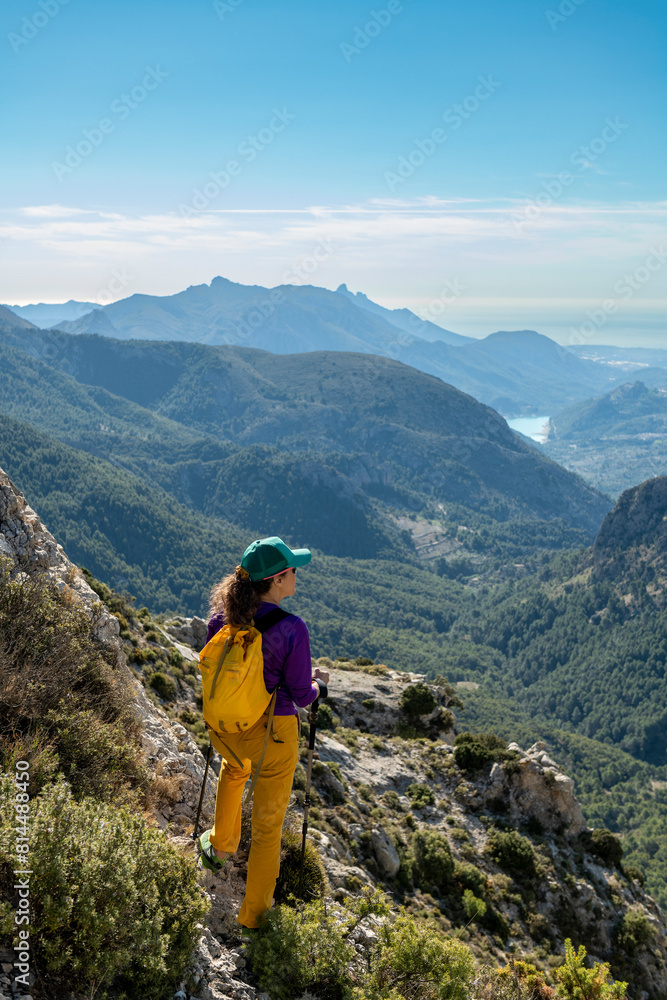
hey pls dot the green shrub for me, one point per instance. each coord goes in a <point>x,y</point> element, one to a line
<point>176,659</point>
<point>325,717</point>
<point>513,853</point>
<point>62,690</point>
<point>606,846</point>
<point>300,777</point>
<point>310,949</point>
<point>50,653</point>
<point>417,700</point>
<point>117,905</point>
<point>433,864</point>
<point>416,961</point>
<point>522,981</point>
<point>40,753</point>
<point>314,883</point>
<point>118,604</point>
<point>392,800</point>
<point>363,661</point>
<point>634,873</point>
<point>474,907</point>
<point>470,877</point>
<point>633,932</point>
<point>472,752</point>
<point>96,757</point>
<point>335,769</point>
<point>580,983</point>
<point>421,795</point>
<point>163,685</point>
<point>141,656</point>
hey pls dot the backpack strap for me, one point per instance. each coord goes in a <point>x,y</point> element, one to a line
<point>271,618</point>
<point>223,655</point>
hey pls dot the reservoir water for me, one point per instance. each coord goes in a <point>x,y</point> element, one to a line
<point>533,427</point>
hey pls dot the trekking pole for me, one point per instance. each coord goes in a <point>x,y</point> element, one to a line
<point>312,718</point>
<point>203,786</point>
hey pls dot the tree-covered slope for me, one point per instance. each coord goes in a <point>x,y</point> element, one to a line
<point>137,538</point>
<point>617,440</point>
<point>400,435</point>
<point>261,488</point>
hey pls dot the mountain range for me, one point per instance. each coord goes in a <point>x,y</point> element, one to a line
<point>382,430</point>
<point>515,372</point>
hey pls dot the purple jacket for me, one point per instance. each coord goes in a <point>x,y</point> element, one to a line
<point>287,665</point>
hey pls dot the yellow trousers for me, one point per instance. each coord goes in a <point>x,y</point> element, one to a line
<point>270,800</point>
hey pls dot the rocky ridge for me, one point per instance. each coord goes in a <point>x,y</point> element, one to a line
<point>631,545</point>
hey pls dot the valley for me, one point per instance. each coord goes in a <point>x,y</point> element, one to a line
<point>444,543</point>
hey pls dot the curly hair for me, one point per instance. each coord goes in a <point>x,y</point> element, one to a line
<point>238,597</point>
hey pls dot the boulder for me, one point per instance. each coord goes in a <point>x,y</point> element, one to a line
<point>385,853</point>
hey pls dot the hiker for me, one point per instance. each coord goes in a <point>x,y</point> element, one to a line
<point>264,578</point>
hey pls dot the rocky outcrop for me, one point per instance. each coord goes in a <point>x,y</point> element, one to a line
<point>631,546</point>
<point>191,631</point>
<point>639,519</point>
<point>538,789</point>
<point>31,548</point>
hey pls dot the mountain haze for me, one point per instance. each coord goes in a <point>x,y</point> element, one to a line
<point>516,372</point>
<point>404,319</point>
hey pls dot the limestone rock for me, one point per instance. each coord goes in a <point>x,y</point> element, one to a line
<point>31,548</point>
<point>385,853</point>
<point>191,631</point>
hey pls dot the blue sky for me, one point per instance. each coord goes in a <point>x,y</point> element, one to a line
<point>513,152</point>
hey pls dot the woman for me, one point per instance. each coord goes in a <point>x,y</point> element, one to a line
<point>264,578</point>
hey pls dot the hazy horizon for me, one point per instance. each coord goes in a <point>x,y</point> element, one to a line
<point>512,152</point>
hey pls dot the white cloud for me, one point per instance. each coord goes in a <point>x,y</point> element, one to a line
<point>51,211</point>
<point>397,250</point>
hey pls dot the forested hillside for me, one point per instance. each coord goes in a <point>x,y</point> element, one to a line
<point>403,437</point>
<point>617,440</point>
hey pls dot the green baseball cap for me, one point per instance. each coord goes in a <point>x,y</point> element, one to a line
<point>268,557</point>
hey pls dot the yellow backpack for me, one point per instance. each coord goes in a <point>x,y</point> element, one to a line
<point>232,668</point>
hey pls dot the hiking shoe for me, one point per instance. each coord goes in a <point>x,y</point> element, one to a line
<point>209,858</point>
